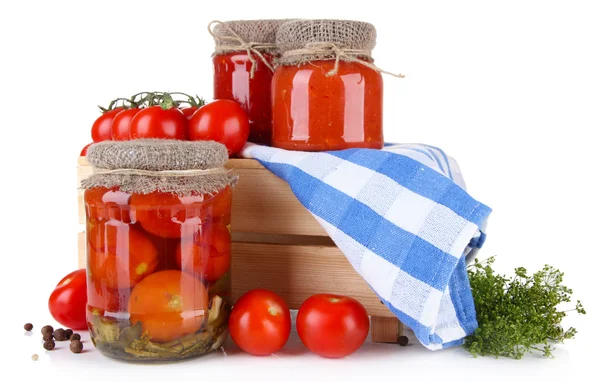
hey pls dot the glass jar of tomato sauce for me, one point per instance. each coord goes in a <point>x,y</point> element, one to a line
<point>326,93</point>
<point>158,248</point>
<point>243,69</point>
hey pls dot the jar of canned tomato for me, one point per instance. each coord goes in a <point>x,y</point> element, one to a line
<point>327,94</point>
<point>243,69</point>
<point>158,243</point>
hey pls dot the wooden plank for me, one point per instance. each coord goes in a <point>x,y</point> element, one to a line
<point>241,163</point>
<point>267,238</point>
<point>262,203</point>
<point>295,272</point>
<point>385,329</point>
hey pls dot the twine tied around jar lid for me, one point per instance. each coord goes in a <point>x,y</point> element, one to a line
<point>143,166</point>
<point>249,46</point>
<point>345,54</point>
<point>161,173</point>
<point>304,41</point>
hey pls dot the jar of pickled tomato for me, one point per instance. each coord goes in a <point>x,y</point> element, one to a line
<point>243,69</point>
<point>158,240</point>
<point>326,92</point>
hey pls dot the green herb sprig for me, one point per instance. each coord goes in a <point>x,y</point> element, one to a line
<point>517,315</point>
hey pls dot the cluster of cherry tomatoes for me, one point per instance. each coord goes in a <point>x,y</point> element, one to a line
<point>331,326</point>
<point>161,115</point>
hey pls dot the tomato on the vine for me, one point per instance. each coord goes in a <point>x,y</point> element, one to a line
<point>332,326</point>
<point>223,121</point>
<point>260,322</point>
<point>208,255</point>
<point>169,304</point>
<point>68,300</point>
<point>189,111</point>
<point>119,255</point>
<point>159,122</point>
<point>101,129</point>
<point>84,150</point>
<point>121,123</point>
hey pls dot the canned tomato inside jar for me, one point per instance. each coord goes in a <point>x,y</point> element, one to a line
<point>158,249</point>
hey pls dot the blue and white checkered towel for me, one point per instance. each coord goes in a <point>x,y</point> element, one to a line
<point>403,218</point>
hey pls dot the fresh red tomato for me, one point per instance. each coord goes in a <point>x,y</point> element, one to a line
<point>119,256</point>
<point>169,304</point>
<point>101,129</point>
<point>208,255</point>
<point>156,122</point>
<point>120,124</point>
<point>223,121</point>
<point>68,300</point>
<point>332,326</point>
<point>84,150</point>
<point>189,111</point>
<point>260,322</point>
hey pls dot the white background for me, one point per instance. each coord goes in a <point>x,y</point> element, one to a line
<point>511,89</point>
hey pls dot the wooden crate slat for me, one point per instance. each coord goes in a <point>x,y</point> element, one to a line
<point>297,272</point>
<point>264,203</point>
<point>385,329</point>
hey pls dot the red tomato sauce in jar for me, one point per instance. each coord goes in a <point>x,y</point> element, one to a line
<point>233,81</point>
<point>313,112</point>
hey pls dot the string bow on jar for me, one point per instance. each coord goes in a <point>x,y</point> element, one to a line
<point>227,34</point>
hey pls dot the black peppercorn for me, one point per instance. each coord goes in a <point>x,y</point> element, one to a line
<point>28,327</point>
<point>49,345</point>
<point>59,334</point>
<point>48,336</point>
<point>68,333</point>
<point>47,329</point>
<point>403,340</point>
<point>76,346</point>
<point>75,337</point>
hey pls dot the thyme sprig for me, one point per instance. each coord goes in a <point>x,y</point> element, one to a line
<point>518,315</point>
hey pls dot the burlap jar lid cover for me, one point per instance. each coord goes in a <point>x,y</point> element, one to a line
<point>171,166</point>
<point>253,36</point>
<point>302,41</point>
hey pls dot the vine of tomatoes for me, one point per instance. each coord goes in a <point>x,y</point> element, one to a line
<point>172,115</point>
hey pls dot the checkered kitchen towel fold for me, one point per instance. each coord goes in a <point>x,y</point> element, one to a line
<point>403,218</point>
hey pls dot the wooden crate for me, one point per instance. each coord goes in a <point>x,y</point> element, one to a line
<point>278,245</point>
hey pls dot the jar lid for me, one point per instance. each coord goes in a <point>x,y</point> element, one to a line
<point>170,166</point>
<point>157,154</point>
<point>310,40</point>
<point>237,35</point>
